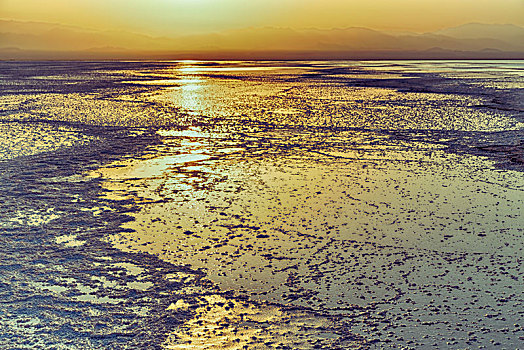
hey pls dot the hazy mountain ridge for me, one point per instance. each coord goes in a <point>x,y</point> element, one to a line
<point>19,39</point>
<point>479,30</point>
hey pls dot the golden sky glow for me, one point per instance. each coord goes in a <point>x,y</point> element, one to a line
<point>171,17</point>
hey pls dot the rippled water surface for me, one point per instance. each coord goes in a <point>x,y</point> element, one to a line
<point>197,205</point>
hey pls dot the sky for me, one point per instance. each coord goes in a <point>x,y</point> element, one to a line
<point>180,17</point>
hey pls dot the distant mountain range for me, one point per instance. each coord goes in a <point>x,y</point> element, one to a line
<point>35,40</point>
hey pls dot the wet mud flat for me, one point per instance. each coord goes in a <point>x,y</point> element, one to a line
<point>261,205</point>
<point>419,248</point>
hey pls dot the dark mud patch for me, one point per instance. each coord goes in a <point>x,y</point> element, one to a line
<point>504,148</point>
<point>509,156</point>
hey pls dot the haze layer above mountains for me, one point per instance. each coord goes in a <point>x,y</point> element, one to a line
<point>36,40</point>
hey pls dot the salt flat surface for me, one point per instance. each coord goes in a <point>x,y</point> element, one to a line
<point>262,205</point>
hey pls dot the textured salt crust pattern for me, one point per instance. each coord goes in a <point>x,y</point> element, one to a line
<point>62,285</point>
<point>77,297</point>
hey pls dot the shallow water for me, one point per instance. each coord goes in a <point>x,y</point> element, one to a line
<point>262,204</point>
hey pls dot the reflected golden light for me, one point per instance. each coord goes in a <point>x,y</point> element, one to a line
<point>190,95</point>
<point>222,323</point>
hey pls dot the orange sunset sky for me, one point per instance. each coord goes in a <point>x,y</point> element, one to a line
<point>114,24</point>
<point>167,17</point>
